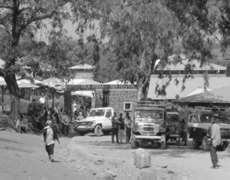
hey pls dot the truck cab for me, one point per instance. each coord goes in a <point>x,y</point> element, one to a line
<point>148,125</point>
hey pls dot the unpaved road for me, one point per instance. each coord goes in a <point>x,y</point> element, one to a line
<point>85,157</point>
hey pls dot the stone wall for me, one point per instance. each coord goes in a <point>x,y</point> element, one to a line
<point>117,97</point>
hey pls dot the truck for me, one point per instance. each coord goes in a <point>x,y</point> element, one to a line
<point>148,126</point>
<point>200,123</point>
<point>98,121</point>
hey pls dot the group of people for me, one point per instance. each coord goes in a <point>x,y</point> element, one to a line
<point>121,128</point>
<point>38,115</point>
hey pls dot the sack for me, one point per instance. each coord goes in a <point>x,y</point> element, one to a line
<point>142,159</point>
<point>222,146</point>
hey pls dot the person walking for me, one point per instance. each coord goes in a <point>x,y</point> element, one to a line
<point>183,131</point>
<point>115,124</point>
<point>215,141</point>
<point>128,123</point>
<point>121,130</point>
<point>65,124</point>
<point>49,136</point>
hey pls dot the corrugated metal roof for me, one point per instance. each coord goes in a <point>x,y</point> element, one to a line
<point>173,89</point>
<point>173,65</point>
<point>206,97</point>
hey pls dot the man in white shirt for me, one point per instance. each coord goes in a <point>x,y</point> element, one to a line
<point>215,141</point>
<point>50,135</point>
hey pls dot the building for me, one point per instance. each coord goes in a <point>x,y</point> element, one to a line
<point>116,94</point>
<point>180,79</point>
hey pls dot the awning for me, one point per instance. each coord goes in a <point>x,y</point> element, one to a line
<point>25,83</point>
<point>83,93</point>
<point>83,82</point>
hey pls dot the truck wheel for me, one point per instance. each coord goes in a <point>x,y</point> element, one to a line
<point>204,144</point>
<point>98,130</point>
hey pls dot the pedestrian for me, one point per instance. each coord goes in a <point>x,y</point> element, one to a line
<point>128,123</point>
<point>121,130</point>
<point>183,131</point>
<point>19,123</point>
<point>65,124</point>
<point>49,136</point>
<point>115,124</point>
<point>215,141</point>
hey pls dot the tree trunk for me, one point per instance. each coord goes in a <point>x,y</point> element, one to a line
<point>11,82</point>
<point>142,90</point>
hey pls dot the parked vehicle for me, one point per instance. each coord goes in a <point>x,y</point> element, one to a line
<point>98,121</point>
<point>148,126</point>
<point>199,125</point>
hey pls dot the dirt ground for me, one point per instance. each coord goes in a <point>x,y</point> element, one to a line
<point>87,157</point>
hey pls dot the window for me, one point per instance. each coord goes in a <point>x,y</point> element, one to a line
<point>127,106</point>
<point>108,113</point>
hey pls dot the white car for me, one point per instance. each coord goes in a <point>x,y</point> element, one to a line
<point>98,121</point>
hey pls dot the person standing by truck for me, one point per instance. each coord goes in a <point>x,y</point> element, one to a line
<point>215,141</point>
<point>121,130</point>
<point>115,125</point>
<point>128,123</point>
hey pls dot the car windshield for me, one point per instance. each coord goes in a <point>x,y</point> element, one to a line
<point>97,112</point>
<point>149,116</point>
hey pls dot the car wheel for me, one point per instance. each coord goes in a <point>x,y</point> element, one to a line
<point>205,145</point>
<point>98,130</point>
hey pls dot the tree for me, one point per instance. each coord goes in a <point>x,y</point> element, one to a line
<point>18,18</point>
<point>139,33</point>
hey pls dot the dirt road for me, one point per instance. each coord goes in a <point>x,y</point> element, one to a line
<point>84,157</point>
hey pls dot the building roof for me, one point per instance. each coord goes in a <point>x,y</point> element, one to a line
<point>83,82</point>
<point>223,91</point>
<point>25,83</point>
<point>86,93</point>
<point>118,82</point>
<point>198,91</point>
<point>82,67</point>
<point>205,97</point>
<point>174,65</point>
<point>174,87</point>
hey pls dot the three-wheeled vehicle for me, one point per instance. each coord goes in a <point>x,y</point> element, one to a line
<point>148,125</point>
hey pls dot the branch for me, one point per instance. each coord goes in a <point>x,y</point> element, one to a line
<point>37,18</point>
<point>6,7</point>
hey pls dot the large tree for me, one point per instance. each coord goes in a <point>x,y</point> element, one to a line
<point>19,18</point>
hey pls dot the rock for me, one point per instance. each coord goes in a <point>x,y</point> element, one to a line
<point>99,162</point>
<point>108,175</point>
